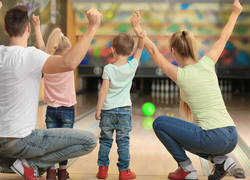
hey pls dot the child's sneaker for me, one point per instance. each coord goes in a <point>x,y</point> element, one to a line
<point>181,174</point>
<point>125,175</point>
<point>63,174</point>
<point>221,170</point>
<point>51,174</point>
<point>24,171</point>
<point>103,172</point>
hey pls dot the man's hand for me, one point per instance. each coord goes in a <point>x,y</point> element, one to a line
<point>237,8</point>
<point>98,115</point>
<point>94,17</point>
<point>1,4</point>
<point>35,20</point>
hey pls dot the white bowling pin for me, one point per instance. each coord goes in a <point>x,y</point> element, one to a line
<point>153,85</point>
<point>166,85</point>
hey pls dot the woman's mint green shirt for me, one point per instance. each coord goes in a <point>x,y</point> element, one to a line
<point>120,81</point>
<point>199,88</point>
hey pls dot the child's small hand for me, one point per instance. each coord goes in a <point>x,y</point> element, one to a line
<point>1,4</point>
<point>136,20</point>
<point>36,20</point>
<point>98,115</point>
<point>237,8</point>
<point>142,35</point>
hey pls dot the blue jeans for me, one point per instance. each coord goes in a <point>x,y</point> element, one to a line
<point>118,119</point>
<point>178,135</point>
<point>60,117</point>
<point>46,147</point>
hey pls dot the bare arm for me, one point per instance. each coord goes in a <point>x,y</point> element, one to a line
<point>169,69</point>
<point>1,4</point>
<point>139,49</point>
<point>102,96</point>
<point>74,56</point>
<point>38,34</point>
<point>219,46</point>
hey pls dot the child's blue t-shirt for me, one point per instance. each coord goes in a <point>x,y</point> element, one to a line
<point>120,78</point>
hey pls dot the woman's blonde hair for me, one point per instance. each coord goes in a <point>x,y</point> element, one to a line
<point>185,44</point>
<point>57,43</point>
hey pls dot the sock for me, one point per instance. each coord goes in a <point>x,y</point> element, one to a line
<point>62,166</point>
<point>24,162</point>
<point>219,159</point>
<point>52,167</point>
<point>188,168</point>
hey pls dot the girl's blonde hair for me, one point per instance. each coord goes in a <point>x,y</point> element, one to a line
<point>185,44</point>
<point>57,43</point>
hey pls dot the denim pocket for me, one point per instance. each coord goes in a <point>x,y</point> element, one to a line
<point>51,121</point>
<point>68,119</point>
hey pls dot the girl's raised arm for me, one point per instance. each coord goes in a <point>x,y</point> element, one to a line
<point>38,34</point>
<point>219,46</point>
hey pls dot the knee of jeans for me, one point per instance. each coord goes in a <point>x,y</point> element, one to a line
<point>156,123</point>
<point>92,141</point>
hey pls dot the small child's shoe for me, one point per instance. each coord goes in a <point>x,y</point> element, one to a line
<point>24,171</point>
<point>181,174</point>
<point>51,174</point>
<point>63,174</point>
<point>103,172</point>
<point>221,170</point>
<point>126,175</point>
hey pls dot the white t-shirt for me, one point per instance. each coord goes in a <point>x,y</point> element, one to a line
<point>20,76</point>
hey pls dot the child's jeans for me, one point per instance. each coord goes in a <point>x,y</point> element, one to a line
<point>60,117</point>
<point>118,119</point>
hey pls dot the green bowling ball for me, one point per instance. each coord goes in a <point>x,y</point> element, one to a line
<point>148,109</point>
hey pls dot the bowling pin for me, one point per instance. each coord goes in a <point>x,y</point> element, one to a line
<point>171,97</point>
<point>229,86</point>
<point>166,85</point>
<point>153,85</point>
<point>153,96</point>
<point>157,97</point>
<point>157,85</point>
<point>225,86</point>
<point>162,85</point>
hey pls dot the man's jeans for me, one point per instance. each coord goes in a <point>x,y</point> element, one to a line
<point>44,148</point>
<point>178,135</point>
<point>118,119</point>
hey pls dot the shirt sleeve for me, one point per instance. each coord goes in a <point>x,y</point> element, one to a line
<point>207,60</point>
<point>133,64</point>
<point>35,60</point>
<point>105,74</point>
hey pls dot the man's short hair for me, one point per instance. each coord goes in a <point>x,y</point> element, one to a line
<point>123,44</point>
<point>16,20</point>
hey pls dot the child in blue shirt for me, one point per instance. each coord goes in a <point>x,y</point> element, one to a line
<point>114,105</point>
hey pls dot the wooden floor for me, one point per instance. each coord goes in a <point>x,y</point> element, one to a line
<point>149,159</point>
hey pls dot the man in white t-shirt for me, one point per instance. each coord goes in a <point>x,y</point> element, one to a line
<point>21,68</point>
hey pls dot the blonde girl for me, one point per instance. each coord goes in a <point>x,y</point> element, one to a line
<point>59,91</point>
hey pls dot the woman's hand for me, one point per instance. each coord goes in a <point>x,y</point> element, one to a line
<point>237,8</point>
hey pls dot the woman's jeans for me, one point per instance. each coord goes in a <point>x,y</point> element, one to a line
<point>60,117</point>
<point>178,135</point>
<point>118,119</point>
<point>46,147</point>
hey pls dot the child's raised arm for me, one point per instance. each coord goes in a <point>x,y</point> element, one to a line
<point>38,34</point>
<point>169,69</point>
<point>1,4</point>
<point>219,46</point>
